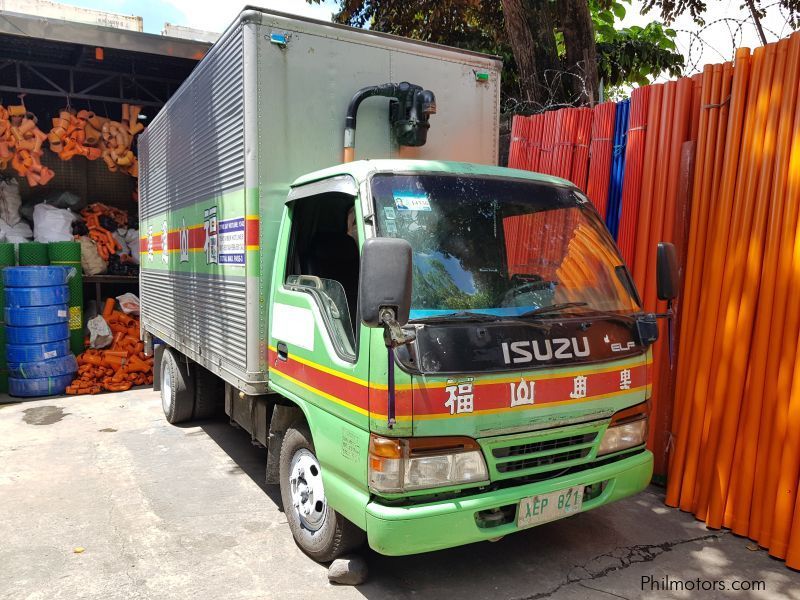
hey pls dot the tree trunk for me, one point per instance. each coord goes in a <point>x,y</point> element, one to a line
<point>531,33</point>
<point>581,58</point>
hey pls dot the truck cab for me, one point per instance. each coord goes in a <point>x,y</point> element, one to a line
<point>518,392</point>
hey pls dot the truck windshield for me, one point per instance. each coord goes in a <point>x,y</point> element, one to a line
<point>502,247</point>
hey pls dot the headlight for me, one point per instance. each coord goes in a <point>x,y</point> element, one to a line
<point>628,429</point>
<point>404,464</point>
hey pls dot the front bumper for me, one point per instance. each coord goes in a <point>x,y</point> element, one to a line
<point>396,531</point>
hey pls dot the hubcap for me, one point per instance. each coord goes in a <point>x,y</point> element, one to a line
<point>166,390</point>
<point>308,495</point>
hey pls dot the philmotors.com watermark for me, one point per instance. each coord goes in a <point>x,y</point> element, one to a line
<point>671,584</point>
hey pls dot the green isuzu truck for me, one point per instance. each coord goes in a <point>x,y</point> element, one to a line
<point>434,350</point>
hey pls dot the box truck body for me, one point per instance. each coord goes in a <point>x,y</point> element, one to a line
<point>254,115</point>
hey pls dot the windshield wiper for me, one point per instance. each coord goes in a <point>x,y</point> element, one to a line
<point>543,310</point>
<point>463,315</point>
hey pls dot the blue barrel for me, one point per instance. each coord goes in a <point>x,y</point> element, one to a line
<point>37,296</point>
<point>44,386</point>
<point>28,277</point>
<point>37,335</point>
<point>27,316</point>
<point>53,367</point>
<point>26,353</point>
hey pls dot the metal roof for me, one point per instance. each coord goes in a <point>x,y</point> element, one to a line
<point>54,30</point>
<point>49,57</point>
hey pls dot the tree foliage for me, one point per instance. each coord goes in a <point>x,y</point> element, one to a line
<point>543,49</point>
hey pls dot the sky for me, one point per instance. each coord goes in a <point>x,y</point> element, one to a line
<point>719,40</point>
<point>208,15</point>
<point>728,26</point>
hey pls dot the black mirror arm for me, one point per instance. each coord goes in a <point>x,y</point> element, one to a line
<point>668,314</point>
<point>393,336</point>
<point>670,324</point>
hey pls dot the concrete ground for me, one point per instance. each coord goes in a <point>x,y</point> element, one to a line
<point>182,512</point>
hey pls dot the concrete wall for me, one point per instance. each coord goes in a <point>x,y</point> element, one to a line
<point>188,33</point>
<point>65,12</point>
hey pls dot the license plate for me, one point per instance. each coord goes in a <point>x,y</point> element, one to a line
<point>534,510</point>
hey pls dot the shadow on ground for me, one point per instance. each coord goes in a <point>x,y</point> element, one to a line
<point>602,553</point>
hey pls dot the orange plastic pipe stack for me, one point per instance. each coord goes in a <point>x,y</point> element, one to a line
<point>565,140</point>
<point>736,458</point>
<point>669,120</point>
<point>534,149</point>
<point>580,159</point>
<point>516,150</point>
<point>632,178</point>
<point>600,154</point>
<point>549,128</point>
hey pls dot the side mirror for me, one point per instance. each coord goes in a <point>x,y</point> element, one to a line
<point>666,271</point>
<point>385,280</point>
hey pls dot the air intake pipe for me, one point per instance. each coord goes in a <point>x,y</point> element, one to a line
<point>409,110</point>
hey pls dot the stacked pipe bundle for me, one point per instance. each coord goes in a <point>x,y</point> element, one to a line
<point>39,360</point>
<point>738,382</point>
<point>526,142</point>
<point>660,204</point>
<point>617,167</point>
<point>601,152</point>
<point>580,161</point>
<point>555,143</point>
<point>632,174</point>
<point>517,149</point>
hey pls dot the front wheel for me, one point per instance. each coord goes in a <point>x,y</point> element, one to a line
<point>320,531</point>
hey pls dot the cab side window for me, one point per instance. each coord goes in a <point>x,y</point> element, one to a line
<point>324,263</point>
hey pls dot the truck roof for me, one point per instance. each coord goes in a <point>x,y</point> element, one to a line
<point>360,170</point>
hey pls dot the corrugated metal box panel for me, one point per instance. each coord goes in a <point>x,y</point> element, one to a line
<point>194,151</point>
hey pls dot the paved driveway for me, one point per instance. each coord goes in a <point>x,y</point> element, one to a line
<point>182,512</point>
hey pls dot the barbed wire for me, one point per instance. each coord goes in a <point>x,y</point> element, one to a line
<point>693,43</point>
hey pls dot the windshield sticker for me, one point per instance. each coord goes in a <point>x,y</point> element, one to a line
<point>391,227</point>
<point>388,212</point>
<point>411,201</point>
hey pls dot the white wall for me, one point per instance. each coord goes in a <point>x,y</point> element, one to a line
<point>65,12</point>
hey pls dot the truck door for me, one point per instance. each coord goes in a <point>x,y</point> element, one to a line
<point>318,349</point>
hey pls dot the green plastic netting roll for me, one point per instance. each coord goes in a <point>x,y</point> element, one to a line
<point>7,259</point>
<point>33,253</point>
<point>69,254</point>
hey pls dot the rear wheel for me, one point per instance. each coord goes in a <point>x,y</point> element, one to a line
<point>177,387</point>
<point>320,531</point>
<point>209,394</point>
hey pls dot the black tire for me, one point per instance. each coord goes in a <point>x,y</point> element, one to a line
<point>336,535</point>
<point>209,394</point>
<point>177,387</point>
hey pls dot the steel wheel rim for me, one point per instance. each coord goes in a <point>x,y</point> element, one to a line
<point>308,494</point>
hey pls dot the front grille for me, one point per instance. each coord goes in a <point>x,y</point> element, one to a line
<point>524,456</point>
<point>551,459</point>
<point>534,447</point>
